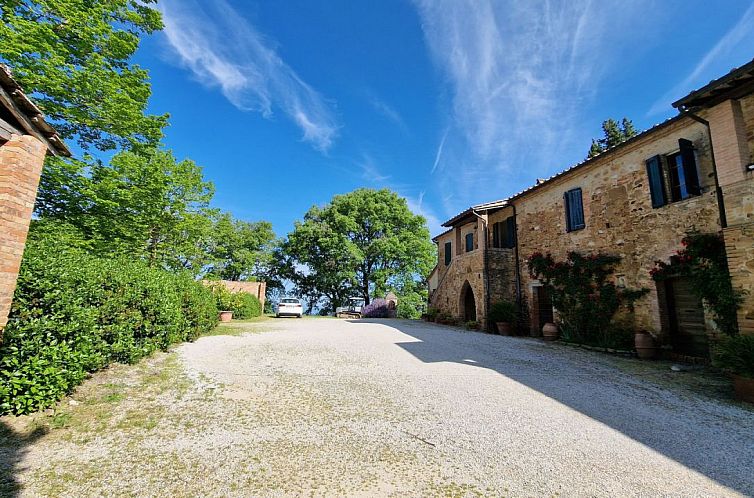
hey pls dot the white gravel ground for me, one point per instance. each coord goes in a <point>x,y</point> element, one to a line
<point>331,407</point>
<point>382,408</point>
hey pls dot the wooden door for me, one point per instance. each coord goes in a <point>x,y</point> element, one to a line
<point>687,329</point>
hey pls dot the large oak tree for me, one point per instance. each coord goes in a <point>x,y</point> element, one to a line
<point>364,242</point>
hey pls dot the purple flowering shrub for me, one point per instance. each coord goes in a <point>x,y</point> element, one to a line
<point>376,309</point>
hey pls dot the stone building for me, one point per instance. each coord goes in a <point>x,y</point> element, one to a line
<point>25,140</point>
<point>637,200</point>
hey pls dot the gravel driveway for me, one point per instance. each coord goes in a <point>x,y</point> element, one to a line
<point>329,407</point>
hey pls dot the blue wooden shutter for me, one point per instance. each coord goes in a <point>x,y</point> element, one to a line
<point>689,166</point>
<point>574,210</point>
<point>496,235</point>
<point>656,182</point>
<point>448,255</point>
<point>469,242</point>
<point>510,232</point>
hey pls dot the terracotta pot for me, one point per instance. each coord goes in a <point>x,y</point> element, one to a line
<point>744,388</point>
<point>504,328</point>
<point>550,332</point>
<point>225,316</point>
<point>645,345</point>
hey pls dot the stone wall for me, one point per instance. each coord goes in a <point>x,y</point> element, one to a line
<point>501,265</point>
<point>619,216</point>
<point>21,160</point>
<point>467,267</point>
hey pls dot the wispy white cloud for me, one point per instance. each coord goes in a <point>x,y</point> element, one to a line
<point>520,74</point>
<point>370,171</point>
<point>438,155</point>
<point>388,111</point>
<point>417,206</point>
<point>223,50</point>
<point>741,35</point>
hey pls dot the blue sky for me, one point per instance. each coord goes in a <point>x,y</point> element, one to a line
<point>449,103</point>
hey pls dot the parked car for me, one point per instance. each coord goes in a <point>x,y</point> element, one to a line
<point>289,306</point>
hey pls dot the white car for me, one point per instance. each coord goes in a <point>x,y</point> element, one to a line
<point>289,306</point>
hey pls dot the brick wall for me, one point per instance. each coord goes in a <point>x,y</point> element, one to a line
<point>257,289</point>
<point>21,160</point>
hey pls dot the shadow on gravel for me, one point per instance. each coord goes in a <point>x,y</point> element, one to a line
<point>13,446</point>
<point>712,437</point>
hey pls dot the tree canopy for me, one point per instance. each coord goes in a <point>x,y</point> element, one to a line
<point>241,249</point>
<point>613,134</point>
<point>74,58</point>
<point>364,243</point>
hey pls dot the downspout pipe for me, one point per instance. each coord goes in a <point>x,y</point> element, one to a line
<point>485,261</point>
<point>718,189</point>
<point>519,296</point>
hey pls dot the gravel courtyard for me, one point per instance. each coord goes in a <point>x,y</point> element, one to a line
<point>339,408</point>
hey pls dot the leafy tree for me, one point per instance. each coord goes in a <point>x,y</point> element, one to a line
<point>73,56</point>
<point>146,204</point>
<point>613,134</point>
<point>241,249</point>
<point>364,241</point>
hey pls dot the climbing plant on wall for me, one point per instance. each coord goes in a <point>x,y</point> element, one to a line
<point>702,259</point>
<point>584,294</point>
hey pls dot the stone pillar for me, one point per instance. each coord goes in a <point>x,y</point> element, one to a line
<point>732,156</point>
<point>21,160</point>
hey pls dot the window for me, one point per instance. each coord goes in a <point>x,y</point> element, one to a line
<point>469,242</point>
<point>680,171</point>
<point>504,233</point>
<point>574,210</point>
<point>448,255</point>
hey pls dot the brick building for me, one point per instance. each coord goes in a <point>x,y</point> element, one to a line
<point>25,140</point>
<point>637,200</point>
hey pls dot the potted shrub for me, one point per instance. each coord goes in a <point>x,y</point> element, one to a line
<point>646,347</point>
<point>503,315</point>
<point>550,332</point>
<point>472,325</point>
<point>226,316</point>
<point>736,354</point>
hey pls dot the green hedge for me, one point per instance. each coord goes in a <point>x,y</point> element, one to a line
<point>242,304</point>
<point>74,313</point>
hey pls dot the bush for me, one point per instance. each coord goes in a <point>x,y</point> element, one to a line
<point>432,314</point>
<point>736,354</point>
<point>503,311</point>
<point>376,309</point>
<point>242,304</point>
<point>74,313</point>
<point>472,325</point>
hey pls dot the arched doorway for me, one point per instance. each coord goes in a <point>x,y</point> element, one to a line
<point>468,303</point>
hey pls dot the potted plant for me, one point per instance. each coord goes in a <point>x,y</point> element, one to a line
<point>226,316</point>
<point>503,314</point>
<point>472,325</point>
<point>550,332</point>
<point>736,354</point>
<point>646,347</point>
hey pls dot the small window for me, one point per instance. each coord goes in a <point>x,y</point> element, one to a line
<point>504,234</point>
<point>680,171</point>
<point>448,255</point>
<point>574,210</point>
<point>469,242</point>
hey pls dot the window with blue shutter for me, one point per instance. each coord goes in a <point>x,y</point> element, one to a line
<point>469,242</point>
<point>448,254</point>
<point>656,182</point>
<point>688,160</point>
<point>574,208</point>
<point>496,232</point>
